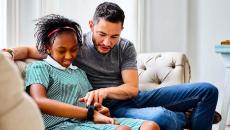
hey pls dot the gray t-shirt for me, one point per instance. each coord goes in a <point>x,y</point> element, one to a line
<point>105,70</point>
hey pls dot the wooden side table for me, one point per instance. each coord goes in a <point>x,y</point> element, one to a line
<point>224,50</point>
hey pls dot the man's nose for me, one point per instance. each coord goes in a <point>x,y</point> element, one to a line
<point>107,42</point>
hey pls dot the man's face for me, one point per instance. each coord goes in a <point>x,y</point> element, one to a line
<point>105,35</point>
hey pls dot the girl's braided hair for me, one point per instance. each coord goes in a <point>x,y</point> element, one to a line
<point>49,26</point>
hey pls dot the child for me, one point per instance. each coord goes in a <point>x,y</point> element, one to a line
<point>56,85</point>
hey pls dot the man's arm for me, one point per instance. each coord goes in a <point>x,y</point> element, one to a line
<point>21,53</point>
<point>125,91</point>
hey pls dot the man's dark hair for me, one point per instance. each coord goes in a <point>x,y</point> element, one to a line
<point>110,12</point>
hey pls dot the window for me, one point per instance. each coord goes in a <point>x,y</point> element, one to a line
<point>2,23</point>
<point>22,13</point>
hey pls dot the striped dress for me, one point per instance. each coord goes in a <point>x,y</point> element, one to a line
<point>67,85</point>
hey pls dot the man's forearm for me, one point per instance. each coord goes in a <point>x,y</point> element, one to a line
<point>123,92</point>
<point>21,53</point>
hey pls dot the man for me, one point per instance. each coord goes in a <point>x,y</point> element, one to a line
<point>110,64</point>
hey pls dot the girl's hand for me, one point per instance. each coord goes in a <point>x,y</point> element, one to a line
<point>102,119</point>
<point>99,107</point>
<point>102,109</point>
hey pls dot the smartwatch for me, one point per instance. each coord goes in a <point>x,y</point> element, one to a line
<point>90,113</point>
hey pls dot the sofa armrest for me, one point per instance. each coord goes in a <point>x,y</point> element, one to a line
<point>162,69</point>
<point>18,111</point>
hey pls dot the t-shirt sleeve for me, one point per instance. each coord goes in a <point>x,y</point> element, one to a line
<point>37,73</point>
<point>129,56</point>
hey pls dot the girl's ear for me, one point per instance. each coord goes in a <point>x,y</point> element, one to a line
<point>48,47</point>
<point>48,51</point>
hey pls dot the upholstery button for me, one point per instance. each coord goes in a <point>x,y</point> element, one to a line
<point>173,64</point>
<point>159,82</point>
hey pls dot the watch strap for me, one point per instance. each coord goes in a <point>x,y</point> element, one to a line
<point>90,113</point>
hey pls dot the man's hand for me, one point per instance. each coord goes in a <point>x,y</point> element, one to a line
<point>95,96</point>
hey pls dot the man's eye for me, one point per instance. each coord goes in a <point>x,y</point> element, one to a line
<point>114,37</point>
<point>101,34</point>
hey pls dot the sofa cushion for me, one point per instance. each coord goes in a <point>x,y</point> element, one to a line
<point>162,69</point>
<point>18,111</point>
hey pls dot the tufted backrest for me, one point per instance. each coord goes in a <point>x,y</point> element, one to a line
<point>154,69</point>
<point>162,69</point>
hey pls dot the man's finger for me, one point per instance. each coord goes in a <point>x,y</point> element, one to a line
<point>100,99</point>
<point>95,96</point>
<point>97,105</point>
<point>90,98</point>
<point>87,95</point>
<point>112,121</point>
<point>81,100</point>
<point>116,122</point>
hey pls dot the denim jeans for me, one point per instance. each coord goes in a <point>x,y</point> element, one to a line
<point>166,105</point>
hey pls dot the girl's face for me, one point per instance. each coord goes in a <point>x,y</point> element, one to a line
<point>64,48</point>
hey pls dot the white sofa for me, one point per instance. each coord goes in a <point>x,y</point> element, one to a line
<point>155,70</point>
<point>18,111</point>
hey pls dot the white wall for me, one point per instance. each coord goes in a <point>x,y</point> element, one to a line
<point>78,10</point>
<point>214,26</point>
<point>165,24</point>
<point>2,23</point>
<point>29,11</point>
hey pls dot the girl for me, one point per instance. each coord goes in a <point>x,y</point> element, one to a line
<point>56,85</point>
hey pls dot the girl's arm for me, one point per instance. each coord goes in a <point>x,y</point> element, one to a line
<point>56,108</point>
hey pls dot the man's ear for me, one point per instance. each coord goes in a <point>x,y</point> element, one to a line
<point>91,24</point>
